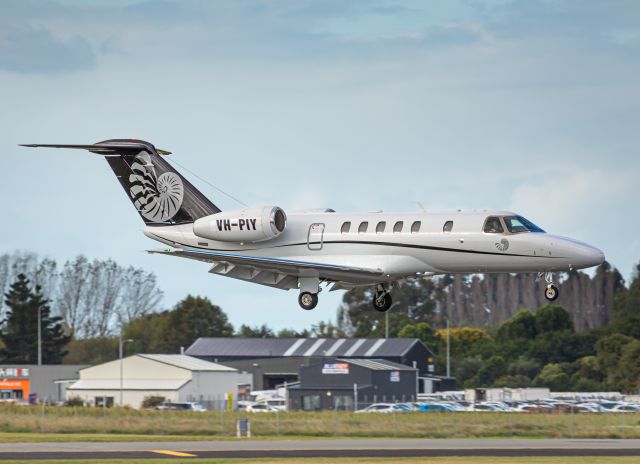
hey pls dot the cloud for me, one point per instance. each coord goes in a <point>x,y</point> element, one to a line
<point>34,50</point>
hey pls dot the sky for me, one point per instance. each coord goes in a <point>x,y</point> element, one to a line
<point>531,106</point>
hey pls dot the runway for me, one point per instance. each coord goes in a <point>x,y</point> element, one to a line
<point>319,448</point>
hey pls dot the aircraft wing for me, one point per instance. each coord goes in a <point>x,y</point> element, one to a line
<point>275,272</point>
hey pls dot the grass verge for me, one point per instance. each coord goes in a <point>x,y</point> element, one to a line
<point>126,424</point>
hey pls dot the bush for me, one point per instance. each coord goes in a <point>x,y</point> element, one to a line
<point>74,401</point>
<point>150,402</point>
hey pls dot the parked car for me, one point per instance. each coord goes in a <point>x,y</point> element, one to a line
<point>260,407</point>
<point>436,407</point>
<point>625,408</point>
<point>187,406</point>
<point>481,407</point>
<point>278,403</point>
<point>384,408</point>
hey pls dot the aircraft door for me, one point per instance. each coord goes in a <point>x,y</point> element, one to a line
<point>315,236</point>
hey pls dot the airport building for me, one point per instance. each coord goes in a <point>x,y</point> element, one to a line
<point>33,383</point>
<point>275,362</point>
<point>176,378</point>
<point>351,384</point>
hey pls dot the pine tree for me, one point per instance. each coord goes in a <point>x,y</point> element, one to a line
<point>19,333</point>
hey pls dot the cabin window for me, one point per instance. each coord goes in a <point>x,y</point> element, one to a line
<point>345,227</point>
<point>415,227</point>
<point>380,227</point>
<point>493,225</point>
<point>397,227</point>
<point>364,225</point>
<point>448,226</point>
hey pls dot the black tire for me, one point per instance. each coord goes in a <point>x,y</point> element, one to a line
<point>551,293</point>
<point>308,301</point>
<point>382,302</point>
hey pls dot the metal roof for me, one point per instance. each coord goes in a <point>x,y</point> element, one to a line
<point>301,347</point>
<point>128,384</point>
<point>187,362</point>
<point>378,364</point>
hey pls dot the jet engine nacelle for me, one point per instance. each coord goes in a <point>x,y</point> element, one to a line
<point>244,225</point>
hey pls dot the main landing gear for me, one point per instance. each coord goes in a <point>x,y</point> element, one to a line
<point>309,289</point>
<point>551,293</point>
<point>308,300</point>
<point>382,299</point>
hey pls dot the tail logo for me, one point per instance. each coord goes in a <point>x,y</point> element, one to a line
<point>158,198</point>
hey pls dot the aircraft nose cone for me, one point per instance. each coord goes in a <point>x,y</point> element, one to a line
<point>589,256</point>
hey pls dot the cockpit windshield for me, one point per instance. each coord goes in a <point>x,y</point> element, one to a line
<point>518,224</point>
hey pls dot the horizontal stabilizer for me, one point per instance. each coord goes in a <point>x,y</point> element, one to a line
<point>110,147</point>
<point>159,193</point>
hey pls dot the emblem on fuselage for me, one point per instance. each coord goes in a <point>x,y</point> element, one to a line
<point>502,245</point>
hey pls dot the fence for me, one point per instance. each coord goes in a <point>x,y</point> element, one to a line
<point>212,424</point>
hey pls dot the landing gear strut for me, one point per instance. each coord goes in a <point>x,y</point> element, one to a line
<point>382,299</point>
<point>308,300</point>
<point>551,293</point>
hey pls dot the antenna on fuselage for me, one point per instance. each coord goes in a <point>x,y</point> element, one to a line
<point>421,206</point>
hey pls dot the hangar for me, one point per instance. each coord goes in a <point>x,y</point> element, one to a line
<point>33,383</point>
<point>276,361</point>
<point>175,377</point>
<point>351,384</point>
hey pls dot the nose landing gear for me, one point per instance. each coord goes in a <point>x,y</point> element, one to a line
<point>551,293</point>
<point>382,299</point>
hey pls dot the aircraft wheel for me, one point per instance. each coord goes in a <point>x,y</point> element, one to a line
<point>382,302</point>
<point>551,293</point>
<point>308,300</point>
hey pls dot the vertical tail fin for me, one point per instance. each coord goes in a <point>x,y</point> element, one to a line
<point>158,192</point>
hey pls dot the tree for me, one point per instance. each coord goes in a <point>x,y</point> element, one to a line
<point>291,333</point>
<point>629,367</point>
<point>494,368</point>
<point>465,341</point>
<point>627,303</point>
<point>414,301</point>
<point>520,326</point>
<point>421,331</point>
<point>71,293</point>
<point>553,377</point>
<point>167,332</point>
<point>92,351</point>
<point>552,318</point>
<point>262,331</point>
<point>326,330</point>
<point>20,331</point>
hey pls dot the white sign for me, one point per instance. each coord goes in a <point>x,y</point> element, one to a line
<point>335,368</point>
<point>13,372</point>
<point>395,376</point>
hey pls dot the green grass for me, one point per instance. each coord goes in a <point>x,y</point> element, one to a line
<point>22,423</point>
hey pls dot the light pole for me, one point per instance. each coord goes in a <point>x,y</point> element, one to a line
<point>448,348</point>
<point>39,336</point>
<point>122,342</point>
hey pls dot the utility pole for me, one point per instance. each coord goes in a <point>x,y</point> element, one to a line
<point>121,350</point>
<point>386,324</point>
<point>448,348</point>
<point>39,336</point>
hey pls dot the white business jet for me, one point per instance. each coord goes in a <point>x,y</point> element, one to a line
<point>305,249</point>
